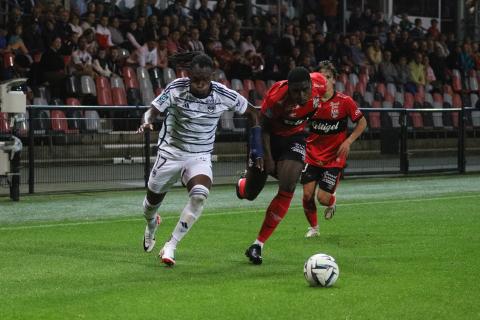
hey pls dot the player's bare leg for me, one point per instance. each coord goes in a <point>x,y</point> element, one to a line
<point>151,203</point>
<point>310,209</point>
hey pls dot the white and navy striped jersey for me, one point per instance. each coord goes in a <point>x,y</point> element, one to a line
<point>190,123</point>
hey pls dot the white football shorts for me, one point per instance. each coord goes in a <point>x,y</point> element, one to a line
<point>167,170</point>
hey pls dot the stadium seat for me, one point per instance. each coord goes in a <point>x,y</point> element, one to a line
<point>37,101</point>
<point>131,83</point>
<point>104,92</point>
<point>226,121</point>
<point>473,81</point>
<point>92,121</point>
<point>142,73</point>
<point>363,78</point>
<point>381,89</point>
<point>116,82</point>
<point>119,97</point>
<point>226,83</point>
<point>128,73</point>
<point>134,97</point>
<point>88,86</point>
<point>415,117</point>
<point>353,79</point>
<point>76,120</point>
<point>399,100</point>
<point>368,97</point>
<point>361,88</point>
<point>475,102</point>
<point>349,89</point>
<point>168,75</point>
<point>219,75</point>
<point>456,81</point>
<point>437,117</point>
<point>447,89</point>
<point>237,85</point>
<point>4,126</point>
<point>59,122</point>
<point>156,77</point>
<point>182,73</point>
<point>260,87</point>
<point>457,103</point>
<point>8,60</point>
<point>339,87</point>
<point>392,89</point>
<point>374,120</point>
<point>248,85</point>
<point>41,121</point>
<point>146,91</point>
<point>72,86</point>
<point>102,82</point>
<point>343,78</point>
<point>270,83</point>
<point>72,102</point>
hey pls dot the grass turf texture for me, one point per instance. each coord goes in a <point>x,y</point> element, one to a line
<point>406,248</point>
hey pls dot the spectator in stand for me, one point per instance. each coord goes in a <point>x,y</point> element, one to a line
<point>417,31</point>
<point>220,6</point>
<point>405,23</point>
<point>344,54</point>
<point>173,42</point>
<point>79,7</point>
<point>359,58</point>
<point>152,28</point>
<point>134,37</point>
<point>240,67</point>
<point>329,9</point>
<point>204,32</point>
<point>92,45</point>
<point>403,71</point>
<point>195,44</point>
<point>15,42</point>
<point>103,34</point>
<point>430,78</point>
<point>32,27</point>
<point>476,55</point>
<point>89,22</point>
<point>74,24</point>
<point>82,59</point>
<point>438,64</point>
<point>101,63</point>
<point>374,53</point>
<point>91,8</point>
<point>441,43</point>
<point>433,30</point>
<point>417,70</point>
<point>62,24</point>
<point>466,61</point>
<point>141,36</point>
<point>355,20</point>
<point>391,45</point>
<point>247,45</point>
<point>366,21</point>
<point>162,50</point>
<point>203,11</point>
<point>116,35</point>
<point>453,59</point>
<point>146,56</point>
<point>388,71</point>
<point>52,68</point>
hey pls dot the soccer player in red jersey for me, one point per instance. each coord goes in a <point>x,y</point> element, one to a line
<point>286,109</point>
<point>328,145</point>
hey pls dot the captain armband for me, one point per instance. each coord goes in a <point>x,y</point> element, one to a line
<point>256,147</point>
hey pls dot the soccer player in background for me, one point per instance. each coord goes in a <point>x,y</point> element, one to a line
<point>285,111</point>
<point>328,145</point>
<point>192,107</point>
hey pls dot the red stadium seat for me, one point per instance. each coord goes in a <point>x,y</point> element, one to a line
<point>260,87</point>
<point>457,103</point>
<point>456,81</point>
<point>119,97</point>
<point>361,88</point>
<point>131,83</point>
<point>102,82</point>
<point>59,122</point>
<point>8,60</point>
<point>473,81</point>
<point>73,102</point>
<point>349,89</point>
<point>226,83</point>
<point>128,73</point>
<point>104,92</point>
<point>237,85</point>
<point>381,89</point>
<point>343,78</point>
<point>182,73</point>
<point>4,126</point>
<point>416,117</point>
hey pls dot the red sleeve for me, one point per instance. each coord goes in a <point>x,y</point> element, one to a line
<point>353,112</point>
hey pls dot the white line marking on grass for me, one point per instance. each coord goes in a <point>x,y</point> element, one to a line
<point>72,224</point>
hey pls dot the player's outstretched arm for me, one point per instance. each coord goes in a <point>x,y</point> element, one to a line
<point>256,145</point>
<point>344,148</point>
<point>147,120</point>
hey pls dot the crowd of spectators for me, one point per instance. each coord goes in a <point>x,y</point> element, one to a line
<point>49,43</point>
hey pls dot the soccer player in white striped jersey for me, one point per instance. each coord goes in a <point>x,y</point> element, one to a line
<point>191,108</point>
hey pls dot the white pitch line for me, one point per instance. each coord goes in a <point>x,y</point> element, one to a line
<point>70,224</point>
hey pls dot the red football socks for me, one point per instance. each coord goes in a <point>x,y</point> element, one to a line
<point>310,210</point>
<point>275,212</point>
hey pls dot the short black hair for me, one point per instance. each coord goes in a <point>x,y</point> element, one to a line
<point>328,65</point>
<point>298,74</point>
<point>202,60</point>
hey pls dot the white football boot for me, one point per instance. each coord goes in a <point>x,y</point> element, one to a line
<point>329,212</point>
<point>312,232</point>
<point>149,237</point>
<point>167,254</point>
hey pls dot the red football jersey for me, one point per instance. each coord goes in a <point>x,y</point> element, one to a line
<point>287,120</point>
<point>328,130</point>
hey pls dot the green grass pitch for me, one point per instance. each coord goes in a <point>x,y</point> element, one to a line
<point>407,248</point>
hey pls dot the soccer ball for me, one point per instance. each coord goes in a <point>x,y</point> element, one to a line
<point>321,270</point>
